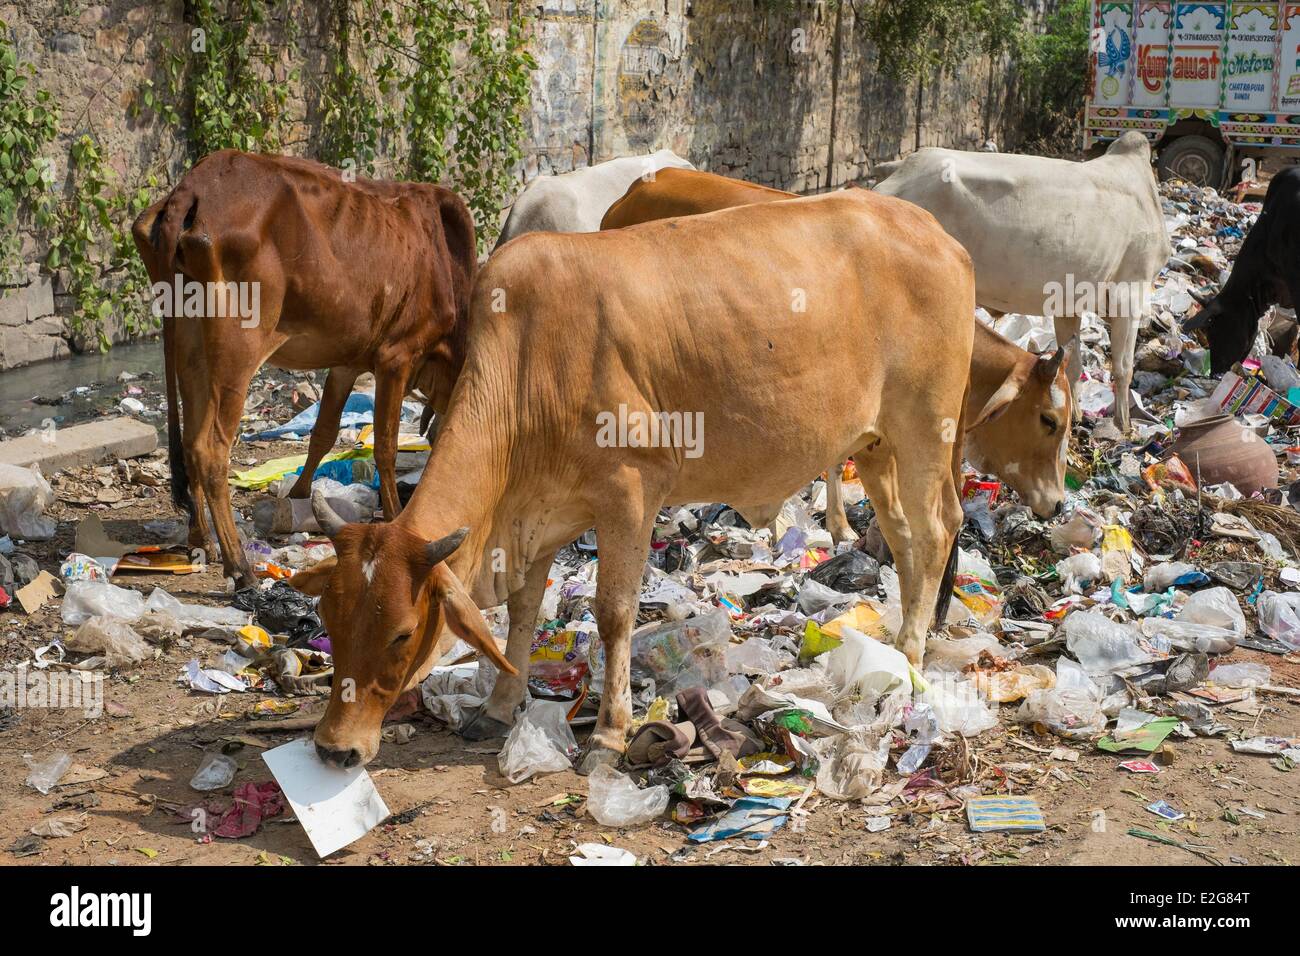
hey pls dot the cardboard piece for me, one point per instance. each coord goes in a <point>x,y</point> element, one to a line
<point>94,541</point>
<point>41,588</point>
<point>336,807</point>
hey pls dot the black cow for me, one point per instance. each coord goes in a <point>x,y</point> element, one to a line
<point>1267,272</point>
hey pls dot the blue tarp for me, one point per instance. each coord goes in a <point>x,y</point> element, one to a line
<point>359,410</point>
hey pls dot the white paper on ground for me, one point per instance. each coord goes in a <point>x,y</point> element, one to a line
<point>334,806</point>
<point>598,854</point>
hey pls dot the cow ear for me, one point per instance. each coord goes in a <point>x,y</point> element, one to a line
<point>313,580</point>
<point>1007,392</point>
<point>464,618</point>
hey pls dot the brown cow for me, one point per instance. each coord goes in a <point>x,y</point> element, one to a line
<point>1021,431</point>
<point>353,277</point>
<point>831,304</point>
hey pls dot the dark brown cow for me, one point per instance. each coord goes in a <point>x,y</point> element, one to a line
<point>353,277</point>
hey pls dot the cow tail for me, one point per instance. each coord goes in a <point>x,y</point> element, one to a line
<point>944,597</point>
<point>175,447</point>
<point>165,237</point>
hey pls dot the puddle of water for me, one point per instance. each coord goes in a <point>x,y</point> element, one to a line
<point>34,393</point>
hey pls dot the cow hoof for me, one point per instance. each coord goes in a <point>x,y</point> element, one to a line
<point>596,757</point>
<point>483,727</point>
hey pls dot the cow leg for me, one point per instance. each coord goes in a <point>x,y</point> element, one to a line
<point>1067,327</point>
<point>1123,343</point>
<point>494,718</point>
<point>837,522</point>
<point>338,386</point>
<point>390,388</point>
<point>200,535</point>
<point>215,434</point>
<point>920,514</point>
<point>623,528</point>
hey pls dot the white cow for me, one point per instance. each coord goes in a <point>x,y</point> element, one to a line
<point>1052,237</point>
<point>576,201</point>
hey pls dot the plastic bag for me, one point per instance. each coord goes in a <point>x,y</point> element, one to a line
<point>115,639</point>
<point>1279,616</point>
<point>676,655</point>
<point>46,772</point>
<point>850,571</point>
<point>1015,684</point>
<point>215,771</point>
<point>24,496</point>
<point>756,656</point>
<point>865,666</point>
<point>1104,647</point>
<point>959,707</point>
<point>851,765</point>
<point>1160,577</point>
<point>1080,531</point>
<point>1078,571</point>
<point>951,656</point>
<point>195,615</point>
<point>1071,709</point>
<point>815,598</point>
<point>1214,607</point>
<point>976,587</point>
<point>613,800</point>
<point>539,742</point>
<point>86,599</point>
<point>1245,674</point>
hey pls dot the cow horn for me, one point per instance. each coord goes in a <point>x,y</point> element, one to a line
<point>330,523</point>
<point>435,552</point>
<point>1048,367</point>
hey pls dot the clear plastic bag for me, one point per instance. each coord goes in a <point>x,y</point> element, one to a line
<point>195,615</point>
<point>959,707</point>
<point>676,655</point>
<point>215,771</point>
<point>539,742</point>
<point>24,496</point>
<point>115,639</point>
<point>1214,607</point>
<point>1279,616</point>
<point>87,599</point>
<point>613,800</point>
<point>1102,646</point>
<point>1245,674</point>
<point>46,771</point>
<point>852,765</point>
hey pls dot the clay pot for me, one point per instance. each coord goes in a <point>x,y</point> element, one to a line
<point>1228,451</point>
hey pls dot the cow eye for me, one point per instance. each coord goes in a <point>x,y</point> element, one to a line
<point>1050,423</point>
<point>400,639</point>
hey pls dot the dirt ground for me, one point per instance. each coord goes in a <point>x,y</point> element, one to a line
<point>451,806</point>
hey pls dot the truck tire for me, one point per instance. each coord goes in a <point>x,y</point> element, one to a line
<point>1194,159</point>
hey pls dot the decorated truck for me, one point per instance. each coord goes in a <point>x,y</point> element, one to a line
<point>1215,86</point>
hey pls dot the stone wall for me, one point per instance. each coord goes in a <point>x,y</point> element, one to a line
<point>729,84</point>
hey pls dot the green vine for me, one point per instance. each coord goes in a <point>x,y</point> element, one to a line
<point>92,246</point>
<point>430,90</point>
<point>28,123</point>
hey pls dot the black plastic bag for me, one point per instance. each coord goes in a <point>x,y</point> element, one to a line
<point>849,571</point>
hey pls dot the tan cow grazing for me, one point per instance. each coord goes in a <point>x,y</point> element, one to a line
<point>830,303</point>
<point>1024,423</point>
<point>353,277</point>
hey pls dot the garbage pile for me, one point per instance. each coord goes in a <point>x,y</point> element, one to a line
<point>764,676</point>
<point>763,671</point>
